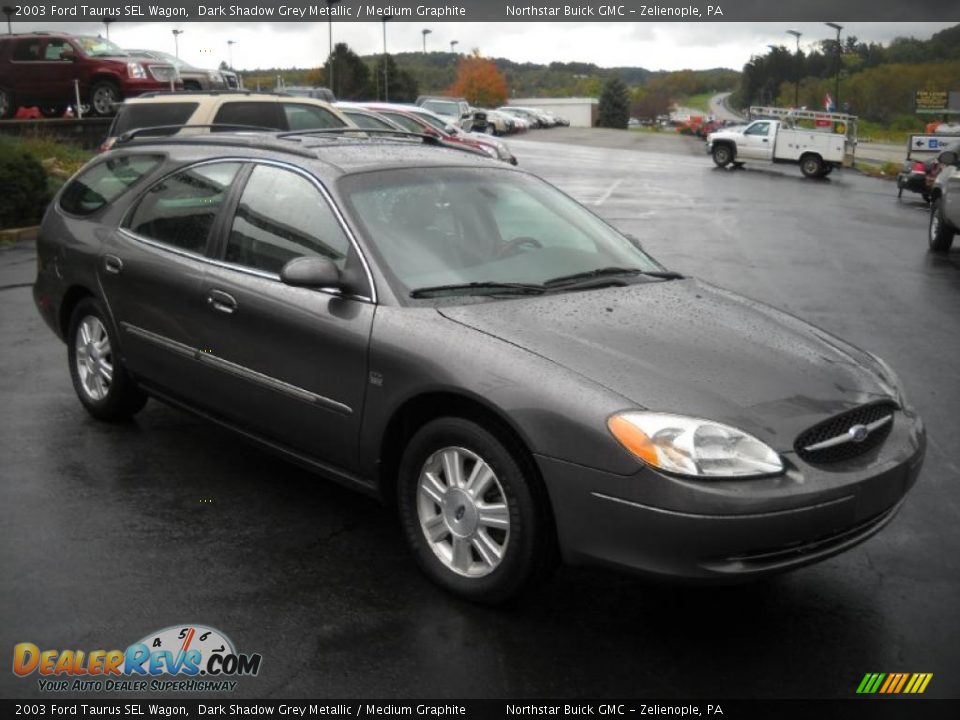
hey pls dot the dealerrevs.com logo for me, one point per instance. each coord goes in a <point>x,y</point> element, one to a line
<point>201,658</point>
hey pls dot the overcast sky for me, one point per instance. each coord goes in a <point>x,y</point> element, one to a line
<point>655,46</point>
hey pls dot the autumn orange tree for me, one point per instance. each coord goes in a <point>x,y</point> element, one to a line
<point>479,81</point>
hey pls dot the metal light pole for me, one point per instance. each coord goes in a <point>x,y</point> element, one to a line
<point>176,41</point>
<point>386,79</point>
<point>230,44</point>
<point>453,44</point>
<point>106,25</point>
<point>425,32</point>
<point>796,83</point>
<point>330,42</point>
<point>9,11</point>
<point>836,86</point>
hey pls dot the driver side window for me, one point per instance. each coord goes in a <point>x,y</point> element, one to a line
<point>759,129</point>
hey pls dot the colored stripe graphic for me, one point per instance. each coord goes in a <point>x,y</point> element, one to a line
<point>894,683</point>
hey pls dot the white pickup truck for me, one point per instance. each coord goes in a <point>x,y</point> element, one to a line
<point>817,141</point>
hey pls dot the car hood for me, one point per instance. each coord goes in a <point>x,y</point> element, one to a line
<point>687,347</point>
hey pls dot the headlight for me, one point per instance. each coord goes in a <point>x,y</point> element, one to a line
<point>135,70</point>
<point>689,446</point>
<point>492,152</point>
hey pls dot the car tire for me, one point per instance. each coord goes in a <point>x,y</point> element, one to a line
<point>473,511</point>
<point>940,234</point>
<point>104,97</point>
<point>722,155</point>
<point>491,129</point>
<point>104,387</point>
<point>899,191</point>
<point>811,166</point>
<point>7,105</point>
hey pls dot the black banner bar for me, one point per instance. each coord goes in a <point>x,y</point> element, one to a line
<point>854,709</point>
<point>488,11</point>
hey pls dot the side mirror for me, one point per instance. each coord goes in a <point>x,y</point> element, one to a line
<point>634,240</point>
<point>311,272</point>
<point>68,55</point>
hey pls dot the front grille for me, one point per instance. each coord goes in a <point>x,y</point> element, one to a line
<point>163,73</point>
<point>835,434</point>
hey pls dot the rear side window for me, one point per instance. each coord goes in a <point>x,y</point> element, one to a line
<point>153,115</point>
<point>26,50</point>
<point>256,114</point>
<point>405,122</point>
<point>103,183</point>
<point>368,122</point>
<point>180,210</point>
<point>309,117</point>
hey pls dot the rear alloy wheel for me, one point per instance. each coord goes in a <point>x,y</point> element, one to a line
<point>811,166</point>
<point>471,512</point>
<point>6,104</point>
<point>722,155</point>
<point>99,379</point>
<point>491,129</point>
<point>940,234</point>
<point>104,97</point>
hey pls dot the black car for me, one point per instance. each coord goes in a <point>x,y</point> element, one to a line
<point>462,339</point>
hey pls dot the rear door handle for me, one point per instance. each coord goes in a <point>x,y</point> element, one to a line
<point>112,264</point>
<point>221,301</point>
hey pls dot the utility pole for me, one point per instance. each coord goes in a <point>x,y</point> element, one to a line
<point>9,11</point>
<point>230,44</point>
<point>330,58</point>
<point>836,84</point>
<point>453,44</point>
<point>176,41</point>
<point>386,79</point>
<point>425,32</point>
<point>796,69</point>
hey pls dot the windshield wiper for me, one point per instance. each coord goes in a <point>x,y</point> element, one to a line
<point>576,278</point>
<point>467,288</point>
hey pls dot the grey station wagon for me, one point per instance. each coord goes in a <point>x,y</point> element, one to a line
<point>460,338</point>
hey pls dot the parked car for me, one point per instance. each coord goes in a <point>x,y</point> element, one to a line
<point>498,123</point>
<point>193,78</point>
<point>406,117</point>
<point>39,69</point>
<point>531,117</point>
<point>945,203</point>
<point>172,113</point>
<point>501,149</point>
<point>456,111</point>
<point>464,340</point>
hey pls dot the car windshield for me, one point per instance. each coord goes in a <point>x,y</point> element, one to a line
<point>462,226</point>
<point>99,47</point>
<point>443,107</point>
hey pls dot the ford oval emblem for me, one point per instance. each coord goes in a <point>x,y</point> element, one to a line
<point>858,433</point>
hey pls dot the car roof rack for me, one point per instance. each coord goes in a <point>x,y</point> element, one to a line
<point>226,91</point>
<point>133,134</point>
<point>367,132</point>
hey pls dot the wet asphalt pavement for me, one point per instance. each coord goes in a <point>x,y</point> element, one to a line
<point>109,532</point>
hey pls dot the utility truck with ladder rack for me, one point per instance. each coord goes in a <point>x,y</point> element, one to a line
<point>816,141</point>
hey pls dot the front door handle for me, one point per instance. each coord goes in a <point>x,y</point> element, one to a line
<point>112,264</point>
<point>221,301</point>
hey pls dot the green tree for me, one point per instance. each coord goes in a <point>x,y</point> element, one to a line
<point>402,85</point>
<point>614,108</point>
<point>351,76</point>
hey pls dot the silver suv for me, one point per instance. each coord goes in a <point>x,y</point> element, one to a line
<point>945,203</point>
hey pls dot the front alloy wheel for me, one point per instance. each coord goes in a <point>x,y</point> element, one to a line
<point>474,510</point>
<point>463,512</point>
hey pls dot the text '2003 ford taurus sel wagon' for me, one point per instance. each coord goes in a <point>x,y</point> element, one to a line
<point>461,338</point>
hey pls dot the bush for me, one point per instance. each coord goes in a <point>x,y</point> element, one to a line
<point>23,186</point>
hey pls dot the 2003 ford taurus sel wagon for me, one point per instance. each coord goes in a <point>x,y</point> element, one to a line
<point>463,339</point>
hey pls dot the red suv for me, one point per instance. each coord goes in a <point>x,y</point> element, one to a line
<point>39,69</point>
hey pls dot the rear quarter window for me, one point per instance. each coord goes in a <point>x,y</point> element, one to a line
<point>104,182</point>
<point>251,114</point>
<point>143,115</point>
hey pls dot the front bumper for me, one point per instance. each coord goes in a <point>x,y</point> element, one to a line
<point>708,530</point>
